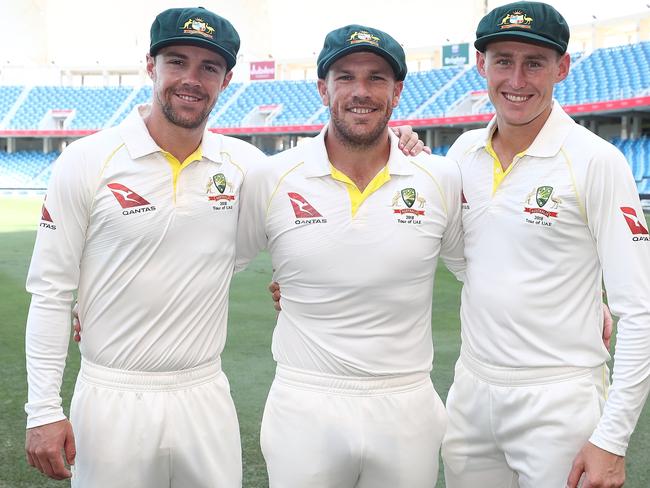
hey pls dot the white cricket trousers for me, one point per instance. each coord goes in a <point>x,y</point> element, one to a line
<point>138,429</point>
<point>323,431</point>
<point>518,427</point>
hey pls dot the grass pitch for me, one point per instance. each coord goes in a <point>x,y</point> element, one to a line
<point>247,359</point>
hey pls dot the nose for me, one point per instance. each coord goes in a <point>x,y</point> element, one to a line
<point>361,89</point>
<point>191,77</point>
<point>518,78</point>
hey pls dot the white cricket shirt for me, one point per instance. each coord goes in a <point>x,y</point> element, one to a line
<point>149,245</point>
<point>356,288</point>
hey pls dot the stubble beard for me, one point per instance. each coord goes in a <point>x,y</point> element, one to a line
<point>353,140</point>
<point>185,122</point>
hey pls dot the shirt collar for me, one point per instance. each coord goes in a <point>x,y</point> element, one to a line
<point>317,161</point>
<point>550,139</point>
<point>548,142</point>
<point>139,142</point>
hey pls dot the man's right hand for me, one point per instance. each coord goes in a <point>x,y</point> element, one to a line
<point>274,288</point>
<point>43,446</point>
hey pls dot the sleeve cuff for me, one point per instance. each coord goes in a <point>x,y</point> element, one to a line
<point>608,445</point>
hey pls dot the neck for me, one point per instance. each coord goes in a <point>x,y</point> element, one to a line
<point>359,163</point>
<point>517,138</point>
<point>178,141</point>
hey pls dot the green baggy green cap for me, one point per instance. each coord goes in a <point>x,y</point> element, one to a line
<point>354,38</point>
<point>195,27</point>
<point>532,22</point>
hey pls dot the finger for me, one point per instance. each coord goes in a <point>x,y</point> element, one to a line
<point>277,307</point>
<point>30,459</point>
<point>409,143</point>
<point>427,150</point>
<point>70,448</point>
<point>608,326</point>
<point>57,469</point>
<point>574,476</point>
<point>45,467</point>
<point>274,286</point>
<point>417,148</point>
<point>37,463</point>
<point>76,325</point>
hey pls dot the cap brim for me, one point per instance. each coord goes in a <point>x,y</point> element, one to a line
<point>195,41</point>
<point>520,36</point>
<point>325,65</point>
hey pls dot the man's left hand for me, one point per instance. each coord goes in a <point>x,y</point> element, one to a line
<point>601,469</point>
<point>608,326</point>
<point>409,142</point>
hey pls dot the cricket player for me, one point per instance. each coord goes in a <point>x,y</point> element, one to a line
<point>550,211</point>
<point>352,403</point>
<point>141,220</point>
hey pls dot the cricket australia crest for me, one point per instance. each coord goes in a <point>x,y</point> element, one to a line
<point>403,202</point>
<point>215,188</point>
<point>547,202</point>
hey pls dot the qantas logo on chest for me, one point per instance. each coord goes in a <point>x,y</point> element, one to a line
<point>303,210</point>
<point>639,232</point>
<point>128,199</point>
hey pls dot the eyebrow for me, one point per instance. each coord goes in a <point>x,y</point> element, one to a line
<point>176,54</point>
<point>510,54</point>
<point>350,71</point>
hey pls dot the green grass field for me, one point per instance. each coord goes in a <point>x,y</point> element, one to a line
<point>247,359</point>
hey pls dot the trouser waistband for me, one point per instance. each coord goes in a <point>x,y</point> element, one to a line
<point>500,375</point>
<point>148,380</point>
<point>350,385</point>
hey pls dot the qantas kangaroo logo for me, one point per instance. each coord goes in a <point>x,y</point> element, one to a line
<point>45,215</point>
<point>301,207</point>
<point>46,218</point>
<point>303,210</point>
<point>633,222</point>
<point>127,197</point>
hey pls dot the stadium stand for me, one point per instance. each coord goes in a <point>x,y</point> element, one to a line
<point>142,95</point>
<point>469,81</point>
<point>605,74</point>
<point>92,106</point>
<point>8,97</point>
<point>608,74</point>
<point>26,169</point>
<point>297,101</point>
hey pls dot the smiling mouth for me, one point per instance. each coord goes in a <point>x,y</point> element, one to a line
<point>188,98</point>
<point>361,110</point>
<point>516,98</point>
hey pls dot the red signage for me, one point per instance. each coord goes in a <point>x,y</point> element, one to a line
<point>262,70</point>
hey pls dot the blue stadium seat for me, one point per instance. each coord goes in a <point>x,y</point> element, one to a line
<point>93,106</point>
